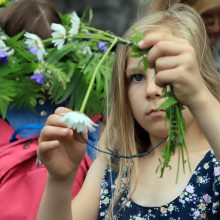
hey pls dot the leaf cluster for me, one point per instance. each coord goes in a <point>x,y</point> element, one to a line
<point>68,72</point>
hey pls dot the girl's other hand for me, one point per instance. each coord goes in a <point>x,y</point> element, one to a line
<point>175,63</point>
<point>60,149</point>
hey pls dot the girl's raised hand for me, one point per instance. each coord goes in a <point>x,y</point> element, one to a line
<point>60,149</point>
<point>175,63</point>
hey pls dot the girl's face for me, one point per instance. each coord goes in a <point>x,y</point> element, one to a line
<point>145,97</point>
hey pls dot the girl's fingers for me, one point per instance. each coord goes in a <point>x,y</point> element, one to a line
<point>52,132</point>
<point>153,37</point>
<point>54,120</point>
<point>61,110</point>
<point>164,63</point>
<point>45,147</point>
<point>169,76</point>
<point>167,48</point>
<point>171,62</point>
<point>162,44</point>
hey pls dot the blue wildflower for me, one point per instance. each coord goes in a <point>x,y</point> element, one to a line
<point>38,77</point>
<point>33,50</point>
<point>102,46</point>
<point>3,57</point>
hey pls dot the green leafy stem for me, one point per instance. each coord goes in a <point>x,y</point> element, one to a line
<point>85,100</point>
<point>176,133</point>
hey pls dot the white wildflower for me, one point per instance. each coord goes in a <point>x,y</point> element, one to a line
<point>58,35</point>
<point>86,50</point>
<point>33,41</point>
<point>78,121</point>
<point>3,37</point>
<point>75,24</point>
<point>4,47</point>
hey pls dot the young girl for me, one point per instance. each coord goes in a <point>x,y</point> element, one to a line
<point>178,52</point>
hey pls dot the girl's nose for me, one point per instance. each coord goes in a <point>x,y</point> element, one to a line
<point>152,90</point>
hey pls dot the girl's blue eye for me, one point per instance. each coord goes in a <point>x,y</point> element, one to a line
<point>137,77</point>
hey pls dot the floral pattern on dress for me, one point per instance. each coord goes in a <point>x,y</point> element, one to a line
<point>199,200</point>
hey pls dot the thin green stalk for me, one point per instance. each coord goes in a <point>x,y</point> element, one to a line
<point>96,30</point>
<point>47,40</point>
<point>93,36</point>
<point>178,166</point>
<point>104,33</point>
<point>85,100</point>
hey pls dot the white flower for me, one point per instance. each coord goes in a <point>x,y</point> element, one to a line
<point>4,47</point>
<point>78,121</point>
<point>33,41</point>
<point>75,23</point>
<point>86,50</point>
<point>58,35</point>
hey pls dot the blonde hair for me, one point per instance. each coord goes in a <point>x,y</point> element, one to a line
<point>122,134</point>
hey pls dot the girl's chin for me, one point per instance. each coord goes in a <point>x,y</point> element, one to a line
<point>158,133</point>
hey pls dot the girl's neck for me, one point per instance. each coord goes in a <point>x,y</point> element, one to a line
<point>195,140</point>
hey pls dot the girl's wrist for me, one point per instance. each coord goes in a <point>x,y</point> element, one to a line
<point>64,181</point>
<point>201,100</point>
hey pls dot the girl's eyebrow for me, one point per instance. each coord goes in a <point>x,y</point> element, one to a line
<point>130,69</point>
<point>134,68</point>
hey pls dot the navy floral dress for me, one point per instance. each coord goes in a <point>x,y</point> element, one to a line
<point>199,200</point>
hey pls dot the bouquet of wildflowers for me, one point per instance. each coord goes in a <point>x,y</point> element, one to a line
<point>75,61</point>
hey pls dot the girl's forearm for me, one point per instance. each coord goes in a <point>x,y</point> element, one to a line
<point>207,114</point>
<point>56,200</point>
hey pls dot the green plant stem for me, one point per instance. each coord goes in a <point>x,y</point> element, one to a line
<point>93,36</point>
<point>104,33</point>
<point>49,40</point>
<point>85,100</point>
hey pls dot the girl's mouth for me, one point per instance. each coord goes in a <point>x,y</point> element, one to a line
<point>155,112</point>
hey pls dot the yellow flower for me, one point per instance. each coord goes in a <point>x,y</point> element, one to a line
<point>206,166</point>
<point>105,201</point>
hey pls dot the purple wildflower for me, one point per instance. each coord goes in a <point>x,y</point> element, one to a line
<point>207,198</point>
<point>38,77</point>
<point>102,46</point>
<point>3,57</point>
<point>217,171</point>
<point>190,189</point>
<point>33,50</point>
